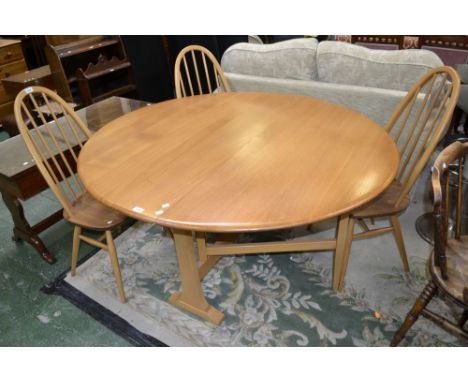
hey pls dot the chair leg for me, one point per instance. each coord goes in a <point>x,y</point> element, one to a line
<point>422,301</point>
<point>115,265</point>
<point>363,225</point>
<point>76,249</point>
<point>349,243</point>
<point>400,242</point>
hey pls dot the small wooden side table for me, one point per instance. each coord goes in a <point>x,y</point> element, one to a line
<point>17,82</point>
<point>35,77</point>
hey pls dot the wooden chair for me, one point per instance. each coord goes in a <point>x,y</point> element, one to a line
<point>449,259</point>
<point>55,146</point>
<point>417,125</point>
<point>205,68</point>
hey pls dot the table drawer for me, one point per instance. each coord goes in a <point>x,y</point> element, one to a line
<point>12,68</point>
<point>6,109</point>
<point>4,96</point>
<point>10,53</point>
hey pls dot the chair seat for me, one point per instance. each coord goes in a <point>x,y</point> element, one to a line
<point>456,252</point>
<point>385,204</point>
<point>87,212</point>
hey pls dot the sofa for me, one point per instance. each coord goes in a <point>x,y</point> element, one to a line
<point>372,82</point>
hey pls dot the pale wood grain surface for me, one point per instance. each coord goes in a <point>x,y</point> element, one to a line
<point>238,162</point>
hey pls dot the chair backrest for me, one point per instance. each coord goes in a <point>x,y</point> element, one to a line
<point>447,195</point>
<point>420,121</point>
<point>54,142</point>
<point>198,72</point>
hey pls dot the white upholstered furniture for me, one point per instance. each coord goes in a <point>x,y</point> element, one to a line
<point>370,81</point>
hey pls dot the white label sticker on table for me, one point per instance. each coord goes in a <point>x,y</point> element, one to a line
<point>138,209</point>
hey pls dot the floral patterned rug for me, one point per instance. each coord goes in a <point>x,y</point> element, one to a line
<point>268,300</point>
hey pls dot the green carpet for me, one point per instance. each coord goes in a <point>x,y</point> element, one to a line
<point>268,300</point>
<point>29,317</point>
<point>3,135</point>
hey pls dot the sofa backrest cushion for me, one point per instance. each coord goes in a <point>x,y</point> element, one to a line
<point>290,59</point>
<point>344,63</point>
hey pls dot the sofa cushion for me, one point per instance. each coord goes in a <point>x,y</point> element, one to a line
<point>344,63</point>
<point>290,59</point>
<point>377,104</point>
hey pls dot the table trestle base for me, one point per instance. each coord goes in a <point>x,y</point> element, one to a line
<point>193,270</point>
<point>270,247</point>
<point>22,230</point>
<point>191,297</point>
<point>208,313</point>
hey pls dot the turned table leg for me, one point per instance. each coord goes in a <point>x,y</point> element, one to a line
<point>22,230</point>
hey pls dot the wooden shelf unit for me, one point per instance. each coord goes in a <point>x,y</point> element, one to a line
<point>66,59</point>
<point>105,78</point>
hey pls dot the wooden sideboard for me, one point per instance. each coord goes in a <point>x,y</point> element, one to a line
<point>11,62</point>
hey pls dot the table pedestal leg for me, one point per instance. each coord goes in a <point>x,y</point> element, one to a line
<point>344,239</point>
<point>191,296</point>
<point>22,230</point>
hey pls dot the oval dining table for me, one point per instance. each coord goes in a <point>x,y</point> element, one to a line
<point>239,162</point>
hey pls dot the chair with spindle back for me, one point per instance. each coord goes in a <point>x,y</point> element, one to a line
<point>417,125</point>
<point>54,143</point>
<point>201,73</point>
<point>449,259</point>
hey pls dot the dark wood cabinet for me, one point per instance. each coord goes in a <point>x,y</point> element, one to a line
<point>11,62</point>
